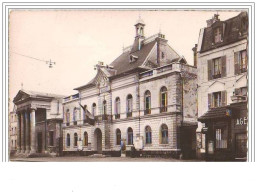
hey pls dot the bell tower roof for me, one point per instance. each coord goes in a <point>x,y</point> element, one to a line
<point>140,21</point>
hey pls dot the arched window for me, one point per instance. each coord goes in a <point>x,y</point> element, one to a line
<point>94,109</point>
<point>68,140</point>
<point>75,139</point>
<point>164,99</point>
<point>130,136</point>
<point>117,108</point>
<point>147,102</point>
<point>67,117</point>
<point>85,140</point>
<point>75,116</point>
<point>129,105</point>
<point>164,134</point>
<point>141,31</point>
<point>148,135</point>
<point>104,107</point>
<point>118,137</point>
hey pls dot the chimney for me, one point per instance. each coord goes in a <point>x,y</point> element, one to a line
<point>214,19</point>
<point>195,54</point>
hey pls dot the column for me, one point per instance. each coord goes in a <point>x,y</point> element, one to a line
<point>32,131</point>
<point>22,132</point>
<point>45,134</point>
<point>18,133</point>
<point>27,144</point>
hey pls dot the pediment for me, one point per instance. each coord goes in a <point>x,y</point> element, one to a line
<point>216,86</point>
<point>21,95</point>
<point>101,79</point>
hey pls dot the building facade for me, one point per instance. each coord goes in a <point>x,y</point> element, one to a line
<point>39,119</point>
<point>13,132</point>
<point>222,89</point>
<point>146,98</point>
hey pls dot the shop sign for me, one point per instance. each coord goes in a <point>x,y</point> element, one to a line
<point>228,112</point>
<point>242,121</point>
<point>205,129</point>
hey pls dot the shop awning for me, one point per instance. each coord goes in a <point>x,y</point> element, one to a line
<point>216,113</point>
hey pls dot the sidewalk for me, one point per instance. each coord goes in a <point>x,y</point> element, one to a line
<point>92,159</point>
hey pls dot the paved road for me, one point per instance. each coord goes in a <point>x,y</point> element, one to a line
<point>96,159</point>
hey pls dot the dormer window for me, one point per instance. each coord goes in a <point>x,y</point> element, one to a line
<point>217,35</point>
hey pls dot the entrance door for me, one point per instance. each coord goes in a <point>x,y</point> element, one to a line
<point>98,141</point>
<point>241,145</point>
<point>39,142</point>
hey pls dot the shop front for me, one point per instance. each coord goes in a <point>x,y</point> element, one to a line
<point>224,133</point>
<point>239,133</point>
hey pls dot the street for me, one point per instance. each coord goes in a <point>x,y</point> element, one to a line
<point>96,159</point>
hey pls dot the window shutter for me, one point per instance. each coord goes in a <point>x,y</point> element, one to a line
<point>210,69</point>
<point>223,66</point>
<point>166,99</point>
<point>223,98</point>
<point>209,100</point>
<point>236,62</point>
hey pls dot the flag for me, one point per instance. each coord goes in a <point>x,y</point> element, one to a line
<point>90,119</point>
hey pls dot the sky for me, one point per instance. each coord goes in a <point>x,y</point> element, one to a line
<point>77,39</point>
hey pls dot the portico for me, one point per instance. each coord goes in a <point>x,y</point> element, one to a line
<point>39,122</point>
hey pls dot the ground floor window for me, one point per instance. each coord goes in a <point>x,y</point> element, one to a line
<point>148,135</point>
<point>221,138</point>
<point>130,136</point>
<point>51,138</point>
<point>85,140</point>
<point>164,134</point>
<point>68,140</point>
<point>118,137</point>
<point>75,139</point>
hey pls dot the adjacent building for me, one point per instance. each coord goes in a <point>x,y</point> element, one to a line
<point>13,131</point>
<point>39,119</point>
<point>222,88</point>
<point>146,98</point>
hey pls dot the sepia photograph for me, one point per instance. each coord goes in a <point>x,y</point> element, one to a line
<point>128,85</point>
<point>128,98</point>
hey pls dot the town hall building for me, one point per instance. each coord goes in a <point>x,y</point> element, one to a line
<point>144,101</point>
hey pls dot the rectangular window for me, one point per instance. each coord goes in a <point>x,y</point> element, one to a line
<point>217,35</point>
<point>221,138</point>
<point>241,91</point>
<point>217,99</point>
<point>243,61</point>
<point>216,68</point>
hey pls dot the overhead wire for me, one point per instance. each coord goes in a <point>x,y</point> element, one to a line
<point>29,56</point>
